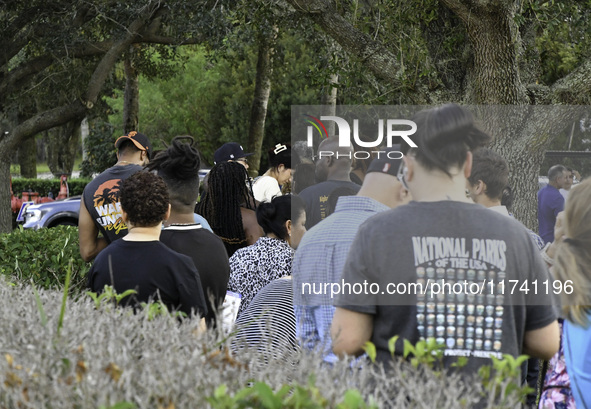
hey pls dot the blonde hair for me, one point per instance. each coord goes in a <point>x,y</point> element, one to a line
<point>573,256</point>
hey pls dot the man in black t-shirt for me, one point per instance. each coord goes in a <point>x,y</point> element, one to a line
<point>179,168</point>
<point>139,261</point>
<point>332,171</point>
<point>100,209</point>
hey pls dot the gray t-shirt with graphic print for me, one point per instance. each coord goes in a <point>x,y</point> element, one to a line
<point>454,261</point>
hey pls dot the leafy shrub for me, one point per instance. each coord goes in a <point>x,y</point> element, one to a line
<point>42,257</point>
<point>44,186</point>
<point>98,355</point>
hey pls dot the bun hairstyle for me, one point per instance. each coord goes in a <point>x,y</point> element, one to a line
<point>180,160</point>
<point>179,166</point>
<point>272,215</point>
<point>573,256</point>
<point>281,154</point>
<point>444,136</point>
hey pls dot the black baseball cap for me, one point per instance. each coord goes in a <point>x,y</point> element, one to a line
<point>388,161</point>
<point>139,140</point>
<point>229,151</point>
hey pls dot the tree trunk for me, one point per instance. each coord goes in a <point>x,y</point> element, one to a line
<point>329,100</point>
<point>5,210</point>
<point>62,148</point>
<point>132,94</point>
<point>27,159</point>
<point>262,91</point>
<point>83,135</point>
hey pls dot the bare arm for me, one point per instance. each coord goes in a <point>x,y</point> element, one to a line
<point>90,243</point>
<point>542,343</point>
<point>350,331</point>
<point>252,230</point>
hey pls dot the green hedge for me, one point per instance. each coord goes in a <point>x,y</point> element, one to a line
<point>43,186</point>
<point>43,256</point>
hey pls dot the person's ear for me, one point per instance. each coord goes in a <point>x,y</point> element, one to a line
<point>288,226</point>
<point>167,215</point>
<point>480,187</point>
<point>409,168</point>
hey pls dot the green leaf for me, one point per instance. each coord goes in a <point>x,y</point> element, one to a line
<point>39,306</point>
<point>392,344</point>
<point>352,400</point>
<point>370,350</point>
<point>461,362</point>
<point>266,396</point>
<point>408,348</point>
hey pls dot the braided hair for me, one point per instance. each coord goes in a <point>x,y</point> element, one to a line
<point>179,166</point>
<point>226,193</point>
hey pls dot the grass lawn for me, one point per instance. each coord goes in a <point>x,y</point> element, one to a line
<point>15,169</point>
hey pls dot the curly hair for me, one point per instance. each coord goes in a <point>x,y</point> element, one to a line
<point>179,166</point>
<point>144,197</point>
<point>226,193</point>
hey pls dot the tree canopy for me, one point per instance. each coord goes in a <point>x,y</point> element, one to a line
<point>61,58</point>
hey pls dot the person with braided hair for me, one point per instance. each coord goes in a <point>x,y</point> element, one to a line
<point>178,166</point>
<point>228,206</point>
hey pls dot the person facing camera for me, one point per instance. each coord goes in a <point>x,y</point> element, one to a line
<point>139,261</point>
<point>281,162</point>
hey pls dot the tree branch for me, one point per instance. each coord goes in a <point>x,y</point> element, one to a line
<point>575,88</point>
<point>463,11</point>
<point>24,71</point>
<point>156,39</point>
<point>110,58</point>
<point>380,60</point>
<point>78,109</point>
<point>40,122</point>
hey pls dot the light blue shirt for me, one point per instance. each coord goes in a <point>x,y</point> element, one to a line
<point>319,260</point>
<point>577,356</point>
<point>201,220</point>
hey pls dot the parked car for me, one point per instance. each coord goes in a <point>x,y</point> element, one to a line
<point>51,214</point>
<point>61,212</point>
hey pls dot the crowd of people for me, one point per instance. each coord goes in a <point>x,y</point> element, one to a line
<point>291,242</point>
